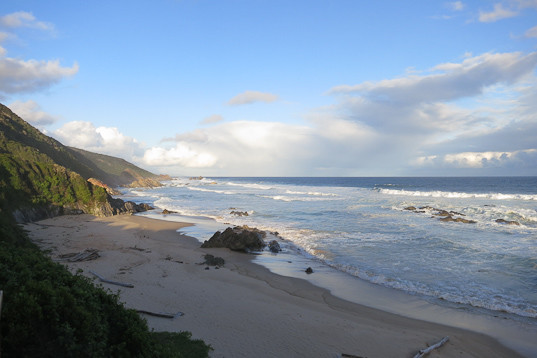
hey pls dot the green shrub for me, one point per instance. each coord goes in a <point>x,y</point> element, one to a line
<point>49,312</point>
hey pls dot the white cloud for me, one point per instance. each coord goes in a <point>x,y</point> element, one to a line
<point>498,13</point>
<point>482,104</point>
<point>456,5</point>
<point>24,19</point>
<point>249,97</point>
<point>215,118</point>
<point>105,140</point>
<point>448,81</point>
<point>181,155</point>
<point>531,32</point>
<point>31,112</point>
<point>18,76</point>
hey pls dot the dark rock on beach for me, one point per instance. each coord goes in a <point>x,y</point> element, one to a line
<point>240,238</point>
<point>211,260</point>
<point>309,270</point>
<point>274,246</point>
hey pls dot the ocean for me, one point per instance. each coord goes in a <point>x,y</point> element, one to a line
<point>387,231</point>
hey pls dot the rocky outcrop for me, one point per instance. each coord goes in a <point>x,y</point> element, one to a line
<point>145,183</point>
<point>443,215</point>
<point>274,246</point>
<point>116,207</point>
<point>240,238</point>
<point>239,213</point>
<point>108,208</point>
<point>507,222</point>
<point>450,218</point>
<point>167,212</point>
<point>36,213</point>
<point>212,260</point>
<point>108,189</point>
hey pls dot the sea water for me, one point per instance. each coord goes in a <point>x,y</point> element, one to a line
<point>367,228</point>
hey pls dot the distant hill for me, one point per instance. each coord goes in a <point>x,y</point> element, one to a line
<point>116,171</point>
<point>40,177</point>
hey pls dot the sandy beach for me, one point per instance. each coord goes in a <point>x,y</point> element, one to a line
<point>240,309</point>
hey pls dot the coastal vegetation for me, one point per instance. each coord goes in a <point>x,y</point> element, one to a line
<point>46,311</point>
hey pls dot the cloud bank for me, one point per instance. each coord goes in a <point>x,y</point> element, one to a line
<point>473,117</point>
<point>104,140</point>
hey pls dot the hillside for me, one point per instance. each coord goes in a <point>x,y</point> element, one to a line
<point>40,177</point>
<point>14,131</point>
<point>116,171</point>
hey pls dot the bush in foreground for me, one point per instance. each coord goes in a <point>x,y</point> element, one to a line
<point>49,312</point>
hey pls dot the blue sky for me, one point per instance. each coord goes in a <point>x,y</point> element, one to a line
<point>283,88</point>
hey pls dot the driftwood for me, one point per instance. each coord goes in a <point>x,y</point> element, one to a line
<point>86,255</point>
<point>429,349</point>
<point>111,282</point>
<point>161,314</point>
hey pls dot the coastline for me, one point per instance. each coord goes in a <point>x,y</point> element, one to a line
<point>241,309</point>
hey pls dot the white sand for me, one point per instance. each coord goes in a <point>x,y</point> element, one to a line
<point>241,309</point>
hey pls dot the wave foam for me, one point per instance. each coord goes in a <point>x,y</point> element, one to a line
<point>312,193</point>
<point>449,194</point>
<point>251,185</point>
<point>227,192</point>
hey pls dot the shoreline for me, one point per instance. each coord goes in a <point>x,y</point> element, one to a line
<point>241,309</point>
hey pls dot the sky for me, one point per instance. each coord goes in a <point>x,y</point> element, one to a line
<point>279,87</point>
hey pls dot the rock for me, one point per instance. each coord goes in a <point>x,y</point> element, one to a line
<point>440,212</point>
<point>507,222</point>
<point>108,189</point>
<point>410,208</point>
<point>239,213</point>
<point>274,246</point>
<point>115,207</point>
<point>166,212</point>
<point>457,220</point>
<point>240,238</point>
<point>145,183</point>
<point>309,270</point>
<point>211,260</point>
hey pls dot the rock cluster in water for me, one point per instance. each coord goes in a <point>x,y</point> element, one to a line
<point>451,216</point>
<point>239,213</point>
<point>444,215</point>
